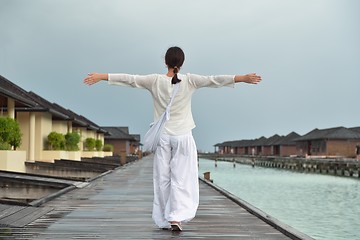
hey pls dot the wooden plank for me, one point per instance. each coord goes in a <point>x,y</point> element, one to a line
<point>119,205</point>
<point>3,207</point>
<point>28,215</point>
<point>9,210</point>
<point>19,217</point>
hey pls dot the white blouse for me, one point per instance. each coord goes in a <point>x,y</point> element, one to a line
<point>181,119</point>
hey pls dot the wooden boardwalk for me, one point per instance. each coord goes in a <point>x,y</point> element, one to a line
<point>118,206</point>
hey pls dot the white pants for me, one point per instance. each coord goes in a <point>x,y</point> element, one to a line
<point>176,183</point>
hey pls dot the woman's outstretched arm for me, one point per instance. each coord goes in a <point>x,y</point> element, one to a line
<point>250,78</point>
<point>122,79</point>
<point>93,78</point>
<point>199,81</point>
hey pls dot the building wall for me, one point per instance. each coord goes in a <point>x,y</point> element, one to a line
<point>258,150</point>
<point>346,148</point>
<point>224,150</point>
<point>286,151</point>
<point>318,147</point>
<point>133,149</point>
<point>43,126</point>
<point>221,150</point>
<point>301,148</point>
<point>267,151</point>
<point>24,122</point>
<point>276,150</point>
<point>119,146</point>
<point>60,127</point>
<point>91,134</point>
<point>100,136</point>
<point>241,150</point>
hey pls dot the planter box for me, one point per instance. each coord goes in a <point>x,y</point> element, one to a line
<point>12,161</point>
<point>74,155</point>
<point>90,154</point>
<point>108,154</point>
<point>50,156</point>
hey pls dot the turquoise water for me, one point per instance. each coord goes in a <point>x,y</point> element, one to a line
<point>321,206</point>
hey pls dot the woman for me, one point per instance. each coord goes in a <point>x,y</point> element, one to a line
<point>176,187</point>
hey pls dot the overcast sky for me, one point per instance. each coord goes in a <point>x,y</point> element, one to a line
<point>308,53</point>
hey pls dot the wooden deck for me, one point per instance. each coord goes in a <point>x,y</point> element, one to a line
<point>118,206</point>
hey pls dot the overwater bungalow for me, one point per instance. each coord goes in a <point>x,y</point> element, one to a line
<point>332,142</point>
<point>227,147</point>
<point>285,146</point>
<point>257,146</point>
<point>267,147</point>
<point>326,143</point>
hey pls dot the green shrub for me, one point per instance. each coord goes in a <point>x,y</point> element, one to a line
<point>56,141</point>
<point>98,145</point>
<point>90,144</point>
<point>10,133</point>
<point>5,146</point>
<point>108,148</point>
<point>71,141</point>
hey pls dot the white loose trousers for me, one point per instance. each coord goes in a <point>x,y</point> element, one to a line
<point>176,183</point>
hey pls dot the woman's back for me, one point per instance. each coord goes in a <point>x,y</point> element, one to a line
<point>161,88</point>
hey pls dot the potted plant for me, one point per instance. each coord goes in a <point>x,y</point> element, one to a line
<point>90,144</point>
<point>10,139</point>
<point>56,141</point>
<point>98,145</point>
<point>71,141</point>
<point>108,149</point>
<point>10,134</point>
<point>93,148</point>
<point>62,147</point>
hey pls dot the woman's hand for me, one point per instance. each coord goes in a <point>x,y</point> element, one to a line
<point>250,78</point>
<point>93,78</point>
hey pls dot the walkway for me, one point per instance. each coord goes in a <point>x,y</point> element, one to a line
<point>118,206</point>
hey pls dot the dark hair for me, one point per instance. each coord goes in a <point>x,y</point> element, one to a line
<point>174,58</point>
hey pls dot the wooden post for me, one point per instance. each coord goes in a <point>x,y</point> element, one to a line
<point>342,170</point>
<point>122,158</point>
<point>207,176</point>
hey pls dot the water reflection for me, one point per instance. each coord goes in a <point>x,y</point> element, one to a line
<point>322,206</point>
